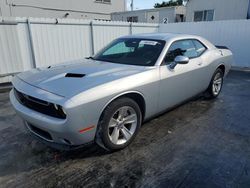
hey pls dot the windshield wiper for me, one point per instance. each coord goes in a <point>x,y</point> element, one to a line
<point>90,57</point>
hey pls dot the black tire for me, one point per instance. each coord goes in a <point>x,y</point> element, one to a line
<point>210,93</point>
<point>103,137</point>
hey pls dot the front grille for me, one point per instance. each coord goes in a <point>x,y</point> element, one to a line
<point>38,105</point>
<point>40,132</point>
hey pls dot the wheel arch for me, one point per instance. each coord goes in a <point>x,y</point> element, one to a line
<point>137,96</point>
<point>222,67</point>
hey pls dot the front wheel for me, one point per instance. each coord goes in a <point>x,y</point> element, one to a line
<point>119,124</point>
<point>215,86</point>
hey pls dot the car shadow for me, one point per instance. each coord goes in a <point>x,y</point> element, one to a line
<point>22,153</point>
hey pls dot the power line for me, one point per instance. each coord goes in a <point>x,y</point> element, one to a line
<point>56,9</point>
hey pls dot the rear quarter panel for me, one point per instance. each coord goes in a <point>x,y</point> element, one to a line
<point>214,58</point>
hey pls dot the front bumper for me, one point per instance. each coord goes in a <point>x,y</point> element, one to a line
<point>58,146</point>
<point>62,132</point>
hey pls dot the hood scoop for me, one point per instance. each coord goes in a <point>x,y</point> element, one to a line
<point>74,75</point>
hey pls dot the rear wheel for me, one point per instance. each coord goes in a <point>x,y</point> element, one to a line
<point>216,84</point>
<point>119,124</point>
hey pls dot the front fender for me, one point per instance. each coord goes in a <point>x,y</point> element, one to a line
<point>122,94</point>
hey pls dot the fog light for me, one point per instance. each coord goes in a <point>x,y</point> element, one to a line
<point>67,141</point>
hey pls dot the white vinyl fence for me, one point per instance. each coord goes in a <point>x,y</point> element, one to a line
<point>37,42</point>
<point>235,34</point>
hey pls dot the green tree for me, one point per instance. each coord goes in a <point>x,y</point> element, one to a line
<point>169,3</point>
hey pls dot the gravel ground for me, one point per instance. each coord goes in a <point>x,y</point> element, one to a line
<point>199,144</point>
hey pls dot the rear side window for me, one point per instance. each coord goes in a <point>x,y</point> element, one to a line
<point>200,48</point>
<point>182,47</point>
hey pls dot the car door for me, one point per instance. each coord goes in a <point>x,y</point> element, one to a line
<point>185,80</point>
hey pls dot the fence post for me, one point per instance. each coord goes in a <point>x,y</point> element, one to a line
<point>130,28</point>
<point>31,43</point>
<point>92,44</point>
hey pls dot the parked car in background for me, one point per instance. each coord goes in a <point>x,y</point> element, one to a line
<point>105,98</point>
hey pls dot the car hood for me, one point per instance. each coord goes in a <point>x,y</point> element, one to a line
<point>72,78</point>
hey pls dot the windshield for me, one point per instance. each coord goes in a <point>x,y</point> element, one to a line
<point>132,51</point>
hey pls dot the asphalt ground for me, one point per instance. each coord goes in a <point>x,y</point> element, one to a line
<point>199,144</point>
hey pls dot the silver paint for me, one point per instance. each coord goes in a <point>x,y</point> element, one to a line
<point>84,99</point>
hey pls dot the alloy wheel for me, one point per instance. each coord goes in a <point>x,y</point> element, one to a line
<point>122,125</point>
<point>217,83</point>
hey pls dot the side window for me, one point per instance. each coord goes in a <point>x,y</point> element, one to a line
<point>119,48</point>
<point>200,48</point>
<point>182,47</point>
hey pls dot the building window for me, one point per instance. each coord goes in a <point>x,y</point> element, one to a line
<point>132,19</point>
<point>198,16</point>
<point>205,15</point>
<point>103,1</point>
<point>179,18</point>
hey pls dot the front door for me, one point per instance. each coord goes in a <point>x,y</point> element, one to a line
<point>184,81</point>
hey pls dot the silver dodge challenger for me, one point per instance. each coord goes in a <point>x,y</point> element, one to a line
<point>105,98</point>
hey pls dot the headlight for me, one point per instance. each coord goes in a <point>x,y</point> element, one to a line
<point>60,111</point>
<point>56,106</point>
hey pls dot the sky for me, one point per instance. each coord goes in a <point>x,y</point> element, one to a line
<point>143,4</point>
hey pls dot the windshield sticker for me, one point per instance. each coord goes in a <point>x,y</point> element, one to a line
<point>148,42</point>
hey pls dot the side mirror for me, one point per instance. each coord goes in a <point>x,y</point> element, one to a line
<point>179,60</point>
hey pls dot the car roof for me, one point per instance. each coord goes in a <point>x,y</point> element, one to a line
<point>161,36</point>
<point>171,37</point>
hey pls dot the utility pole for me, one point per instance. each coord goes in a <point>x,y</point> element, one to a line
<point>248,14</point>
<point>132,5</point>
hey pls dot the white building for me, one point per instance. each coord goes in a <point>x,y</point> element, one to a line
<point>156,15</point>
<point>212,10</point>
<point>87,9</point>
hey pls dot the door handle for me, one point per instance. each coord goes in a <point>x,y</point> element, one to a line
<point>200,63</point>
